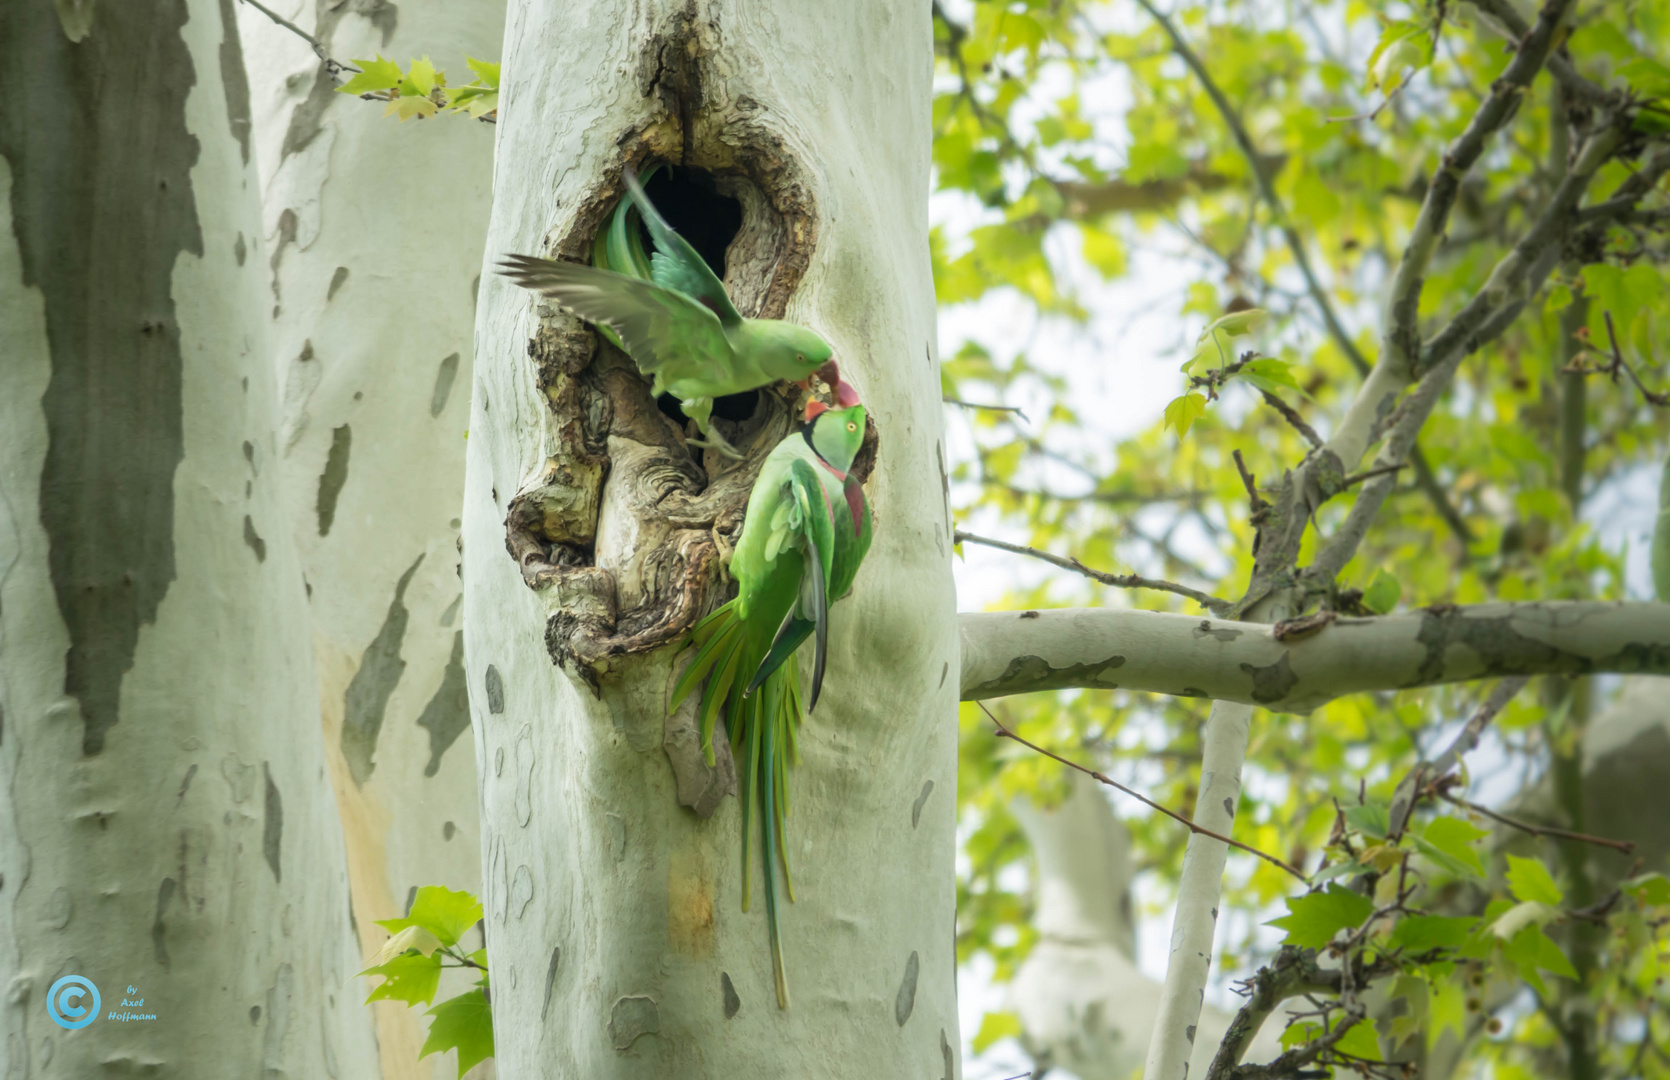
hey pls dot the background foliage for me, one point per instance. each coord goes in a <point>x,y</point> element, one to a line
<point>1074,142</point>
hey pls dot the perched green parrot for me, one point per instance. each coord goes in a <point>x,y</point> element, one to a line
<point>678,326</point>
<point>789,555</point>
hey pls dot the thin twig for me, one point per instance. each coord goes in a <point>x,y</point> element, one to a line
<point>1121,581</point>
<point>1625,846</point>
<point>1378,470</point>
<point>1414,785</point>
<point>1249,481</point>
<point>334,66</point>
<point>989,408</point>
<point>1660,400</point>
<point>1291,415</point>
<point>1004,733</point>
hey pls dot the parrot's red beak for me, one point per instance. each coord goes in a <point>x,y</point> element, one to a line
<point>845,396</point>
<point>829,373</point>
<point>814,409</point>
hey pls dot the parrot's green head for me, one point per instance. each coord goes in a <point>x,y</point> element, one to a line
<point>791,348</point>
<point>835,434</point>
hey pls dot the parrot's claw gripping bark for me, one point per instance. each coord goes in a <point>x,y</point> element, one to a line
<point>716,441</point>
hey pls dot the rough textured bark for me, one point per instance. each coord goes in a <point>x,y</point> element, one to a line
<point>377,230</point>
<point>617,943</point>
<point>165,818</point>
<point>1297,665</point>
<point>1084,1004</point>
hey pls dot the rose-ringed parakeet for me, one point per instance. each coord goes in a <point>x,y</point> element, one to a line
<point>679,327</point>
<point>785,562</point>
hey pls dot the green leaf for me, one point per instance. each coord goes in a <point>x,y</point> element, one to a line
<point>1236,323</point>
<point>1370,819</point>
<point>1360,1041</point>
<point>995,1026</point>
<point>1448,842</point>
<point>1531,949</point>
<point>1183,412</point>
<point>421,80</point>
<point>485,73</point>
<point>1315,918</point>
<point>412,978</point>
<point>1650,889</point>
<point>1529,880</point>
<point>1418,933</point>
<point>1104,251</point>
<point>443,912</point>
<point>464,1023</point>
<point>1382,593</point>
<point>374,75</point>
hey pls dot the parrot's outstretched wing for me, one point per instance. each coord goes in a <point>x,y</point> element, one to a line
<point>657,325</point>
<point>676,264</point>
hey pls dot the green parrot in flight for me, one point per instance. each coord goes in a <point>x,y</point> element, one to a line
<point>677,324</point>
<point>806,529</point>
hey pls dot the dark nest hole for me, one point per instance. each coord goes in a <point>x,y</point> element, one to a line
<point>709,219</point>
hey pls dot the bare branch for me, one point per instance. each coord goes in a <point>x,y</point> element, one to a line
<point>1122,581</point>
<point>1413,786</point>
<point>989,408</point>
<point>335,67</point>
<point>1625,846</point>
<point>1291,415</point>
<point>1017,652</point>
<point>1005,733</point>
<point>1515,28</point>
<point>1618,361</point>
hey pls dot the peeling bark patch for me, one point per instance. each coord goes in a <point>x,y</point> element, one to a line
<point>253,539</point>
<point>524,776</point>
<point>255,1014</point>
<point>60,908</point>
<point>521,891</point>
<point>691,927</point>
<point>1205,630</point>
<point>1189,1034</point>
<point>631,1019</point>
<point>1026,673</point>
<point>1272,682</point>
<point>727,989</point>
<point>368,693</point>
<point>272,828</point>
<point>944,670</point>
<point>159,932</point>
<point>1229,806</point>
<point>448,712</point>
<point>233,79</point>
<point>444,379</point>
<point>495,690</point>
<point>916,807</point>
<point>949,1058</point>
<point>905,1003</point>
<point>451,612</point>
<point>337,281</point>
<point>184,785</point>
<point>279,998</point>
<point>447,830</point>
<point>240,250</point>
<point>334,476</point>
<point>102,206</point>
<point>550,981</point>
<point>1503,650</point>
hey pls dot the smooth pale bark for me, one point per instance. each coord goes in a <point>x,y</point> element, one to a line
<point>1295,668</point>
<point>1083,1003</point>
<point>166,821</point>
<point>377,230</point>
<point>615,932</point>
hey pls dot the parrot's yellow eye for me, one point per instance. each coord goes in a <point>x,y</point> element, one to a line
<point>800,358</point>
<point>851,426</point>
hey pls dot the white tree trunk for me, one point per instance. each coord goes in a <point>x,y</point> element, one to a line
<point>376,231</point>
<point>1084,1004</point>
<point>166,822</point>
<point>617,941</point>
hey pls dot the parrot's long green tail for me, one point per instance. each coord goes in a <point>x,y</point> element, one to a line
<point>768,722</point>
<point>764,734</point>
